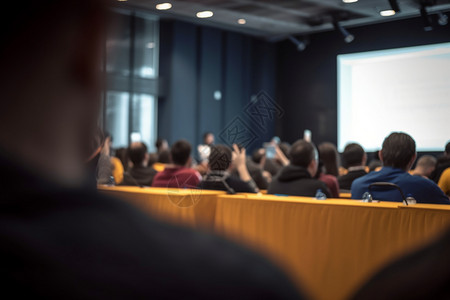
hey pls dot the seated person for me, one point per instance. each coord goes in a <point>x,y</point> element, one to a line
<point>220,163</point>
<point>443,163</point>
<point>140,174</point>
<point>329,180</point>
<point>179,174</point>
<point>444,182</point>
<point>297,178</point>
<point>398,154</point>
<point>425,166</point>
<point>255,166</point>
<point>354,158</point>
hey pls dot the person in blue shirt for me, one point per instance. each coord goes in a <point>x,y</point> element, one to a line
<point>398,155</point>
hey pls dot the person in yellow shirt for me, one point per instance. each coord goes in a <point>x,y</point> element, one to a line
<point>444,182</point>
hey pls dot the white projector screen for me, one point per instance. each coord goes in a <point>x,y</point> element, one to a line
<point>405,89</point>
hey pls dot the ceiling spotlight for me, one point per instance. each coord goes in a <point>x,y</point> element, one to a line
<point>442,19</point>
<point>163,6</point>
<point>242,21</point>
<point>349,1</point>
<point>205,14</point>
<point>348,37</point>
<point>301,45</point>
<point>394,5</point>
<point>426,19</point>
<point>387,12</point>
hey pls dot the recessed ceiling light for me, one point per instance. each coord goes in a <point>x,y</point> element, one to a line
<point>205,14</point>
<point>387,12</point>
<point>349,1</point>
<point>163,6</point>
<point>151,45</point>
<point>242,21</point>
<point>122,0</point>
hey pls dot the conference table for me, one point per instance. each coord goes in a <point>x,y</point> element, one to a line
<point>329,247</point>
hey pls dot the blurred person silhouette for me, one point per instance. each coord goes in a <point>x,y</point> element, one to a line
<point>354,158</point>
<point>140,174</point>
<point>442,163</point>
<point>179,174</point>
<point>329,167</point>
<point>60,237</point>
<point>398,154</point>
<point>255,165</point>
<point>161,145</point>
<point>221,162</point>
<point>425,166</point>
<point>297,177</point>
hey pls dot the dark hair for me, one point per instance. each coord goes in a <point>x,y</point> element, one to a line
<point>353,155</point>
<point>205,135</point>
<point>180,152</point>
<point>164,157</point>
<point>220,158</point>
<point>158,143</point>
<point>398,150</point>
<point>137,152</point>
<point>302,153</point>
<point>285,148</point>
<point>330,157</point>
<point>122,154</point>
<point>447,148</point>
<point>258,155</point>
<point>152,158</point>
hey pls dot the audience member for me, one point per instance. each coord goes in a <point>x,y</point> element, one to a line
<point>161,145</point>
<point>330,157</point>
<point>178,175</point>
<point>164,157</point>
<point>221,162</point>
<point>443,163</point>
<point>204,149</point>
<point>255,165</point>
<point>122,155</point>
<point>61,239</point>
<point>425,166</point>
<point>275,164</point>
<point>398,155</point>
<point>140,173</point>
<point>329,180</point>
<point>375,165</point>
<point>444,182</point>
<point>297,178</point>
<point>354,158</point>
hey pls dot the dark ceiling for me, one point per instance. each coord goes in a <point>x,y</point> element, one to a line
<point>277,19</point>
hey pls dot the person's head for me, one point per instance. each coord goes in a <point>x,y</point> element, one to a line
<point>447,149</point>
<point>304,154</point>
<point>220,158</point>
<point>354,155</point>
<point>425,165</point>
<point>398,151</point>
<point>329,156</point>
<point>161,145</point>
<point>181,153</point>
<point>285,148</point>
<point>259,156</point>
<point>164,157</point>
<point>58,96</point>
<point>137,152</point>
<point>208,138</point>
<point>122,154</point>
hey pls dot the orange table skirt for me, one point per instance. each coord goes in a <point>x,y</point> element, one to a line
<point>329,247</point>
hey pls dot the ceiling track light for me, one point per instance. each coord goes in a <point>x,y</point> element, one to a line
<point>394,5</point>
<point>442,18</point>
<point>426,19</point>
<point>300,44</point>
<point>348,37</point>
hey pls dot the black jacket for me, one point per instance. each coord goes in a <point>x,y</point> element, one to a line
<point>296,181</point>
<point>345,181</point>
<point>139,176</point>
<point>222,181</point>
<point>59,243</point>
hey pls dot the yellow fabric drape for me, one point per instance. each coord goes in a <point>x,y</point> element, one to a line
<point>330,247</point>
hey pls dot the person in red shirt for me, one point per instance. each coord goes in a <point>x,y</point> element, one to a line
<point>178,174</point>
